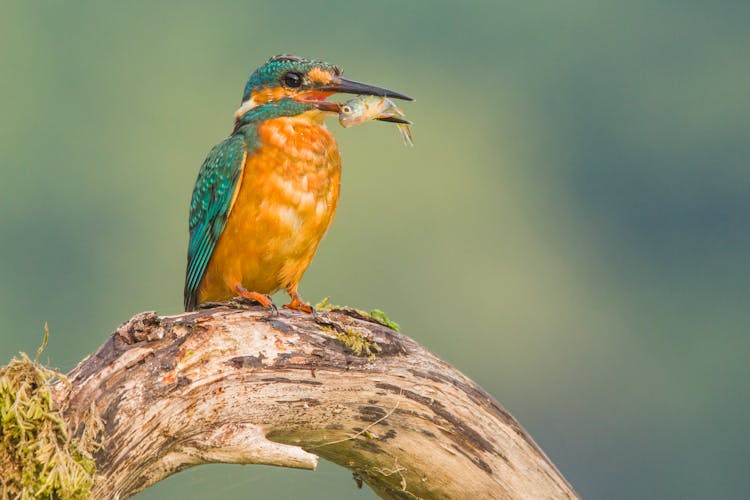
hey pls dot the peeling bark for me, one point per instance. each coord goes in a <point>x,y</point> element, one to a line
<point>239,386</point>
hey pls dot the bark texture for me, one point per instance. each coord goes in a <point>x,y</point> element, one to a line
<point>241,386</point>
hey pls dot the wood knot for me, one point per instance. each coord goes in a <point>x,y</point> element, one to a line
<point>142,327</point>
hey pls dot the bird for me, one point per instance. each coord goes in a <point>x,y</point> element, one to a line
<point>267,194</point>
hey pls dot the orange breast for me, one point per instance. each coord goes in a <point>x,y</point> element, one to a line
<point>286,202</point>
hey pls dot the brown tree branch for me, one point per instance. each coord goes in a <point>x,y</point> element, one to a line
<point>239,386</point>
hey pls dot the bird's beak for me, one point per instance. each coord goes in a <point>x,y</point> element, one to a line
<point>328,106</point>
<point>345,86</point>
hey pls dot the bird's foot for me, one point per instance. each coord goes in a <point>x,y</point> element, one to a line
<point>307,308</point>
<point>297,304</point>
<point>262,299</point>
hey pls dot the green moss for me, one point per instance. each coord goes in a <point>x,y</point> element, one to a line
<point>325,305</point>
<point>383,319</point>
<point>376,314</point>
<point>39,457</point>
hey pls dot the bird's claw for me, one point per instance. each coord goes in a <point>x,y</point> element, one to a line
<point>274,311</point>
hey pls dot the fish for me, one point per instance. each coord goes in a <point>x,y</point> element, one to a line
<point>364,108</point>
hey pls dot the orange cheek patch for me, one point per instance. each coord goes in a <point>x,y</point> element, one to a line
<point>316,95</point>
<point>319,76</point>
<point>269,94</point>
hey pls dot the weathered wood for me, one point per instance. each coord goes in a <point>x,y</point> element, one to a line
<point>240,386</point>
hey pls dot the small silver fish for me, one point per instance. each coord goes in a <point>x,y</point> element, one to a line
<point>371,107</point>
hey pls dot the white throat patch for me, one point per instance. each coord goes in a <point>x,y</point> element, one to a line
<point>245,107</point>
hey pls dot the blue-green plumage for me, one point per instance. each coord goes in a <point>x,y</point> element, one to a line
<point>209,207</point>
<point>215,186</point>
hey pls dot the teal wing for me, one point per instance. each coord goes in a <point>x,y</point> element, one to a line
<point>209,207</point>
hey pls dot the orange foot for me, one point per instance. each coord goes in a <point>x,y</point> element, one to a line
<point>297,303</point>
<point>260,298</point>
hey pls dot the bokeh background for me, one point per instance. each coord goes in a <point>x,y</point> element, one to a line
<point>570,229</point>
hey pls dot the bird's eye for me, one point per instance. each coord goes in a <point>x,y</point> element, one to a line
<point>292,79</point>
<point>346,109</point>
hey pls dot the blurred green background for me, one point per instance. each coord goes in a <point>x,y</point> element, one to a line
<point>570,230</point>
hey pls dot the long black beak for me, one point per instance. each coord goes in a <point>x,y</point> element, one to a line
<point>346,86</point>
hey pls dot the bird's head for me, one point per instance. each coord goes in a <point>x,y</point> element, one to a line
<point>297,85</point>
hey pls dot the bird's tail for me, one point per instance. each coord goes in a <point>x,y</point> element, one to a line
<point>190,297</point>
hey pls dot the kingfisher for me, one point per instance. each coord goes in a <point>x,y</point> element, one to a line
<point>267,194</point>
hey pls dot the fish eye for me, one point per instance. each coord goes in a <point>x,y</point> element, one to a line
<point>292,79</point>
<point>346,109</point>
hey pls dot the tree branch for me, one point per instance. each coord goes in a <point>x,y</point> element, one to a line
<point>238,386</point>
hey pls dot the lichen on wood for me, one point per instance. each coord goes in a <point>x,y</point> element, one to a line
<point>359,343</point>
